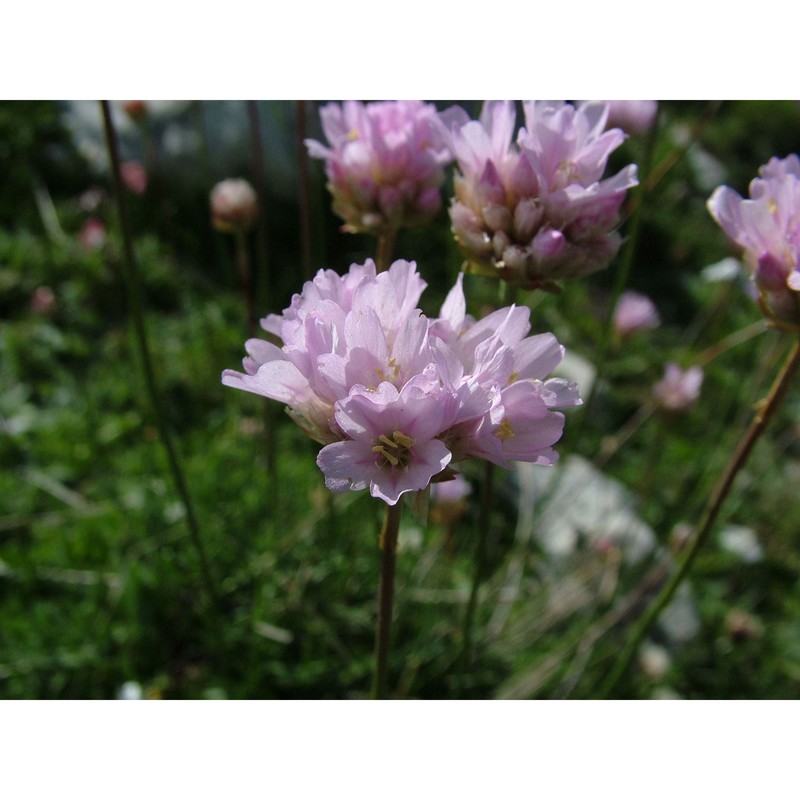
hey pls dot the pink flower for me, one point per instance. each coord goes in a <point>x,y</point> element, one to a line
<point>633,116</point>
<point>93,234</point>
<point>234,206</point>
<point>384,161</point>
<point>767,227</point>
<point>133,176</point>
<point>536,210</point>
<point>393,396</point>
<point>678,390</point>
<point>391,446</point>
<point>635,312</point>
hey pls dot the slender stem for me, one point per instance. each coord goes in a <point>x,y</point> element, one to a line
<point>765,410</point>
<point>383,632</point>
<point>245,281</point>
<point>383,255</point>
<point>131,276</point>
<point>257,154</point>
<point>621,277</point>
<point>484,517</point>
<point>304,192</point>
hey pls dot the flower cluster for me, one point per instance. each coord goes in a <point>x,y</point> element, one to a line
<point>396,397</point>
<point>767,227</point>
<point>536,210</point>
<point>385,163</point>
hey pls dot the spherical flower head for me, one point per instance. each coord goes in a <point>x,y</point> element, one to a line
<point>678,390</point>
<point>635,312</point>
<point>234,206</point>
<point>633,116</point>
<point>384,162</point>
<point>767,227</point>
<point>535,210</point>
<point>393,396</point>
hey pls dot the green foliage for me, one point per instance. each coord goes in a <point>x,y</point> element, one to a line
<point>100,583</point>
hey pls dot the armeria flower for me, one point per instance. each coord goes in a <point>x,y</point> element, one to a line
<point>234,205</point>
<point>391,445</point>
<point>536,210</point>
<point>635,312</point>
<point>767,227</point>
<point>393,396</point>
<point>633,116</point>
<point>678,390</point>
<point>384,162</point>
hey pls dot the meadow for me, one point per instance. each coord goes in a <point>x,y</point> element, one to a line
<point>163,535</point>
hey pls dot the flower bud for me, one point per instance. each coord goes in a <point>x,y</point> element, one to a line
<point>234,206</point>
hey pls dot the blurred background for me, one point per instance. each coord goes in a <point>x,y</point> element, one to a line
<point>102,589</point>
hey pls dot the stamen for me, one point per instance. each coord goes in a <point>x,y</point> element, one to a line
<point>402,439</point>
<point>393,460</point>
<point>387,441</point>
<point>504,431</point>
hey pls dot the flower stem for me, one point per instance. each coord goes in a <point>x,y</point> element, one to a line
<point>304,193</point>
<point>765,410</point>
<point>245,281</point>
<point>131,277</point>
<point>621,277</point>
<point>383,632</point>
<point>262,281</point>
<point>383,253</point>
<point>484,517</point>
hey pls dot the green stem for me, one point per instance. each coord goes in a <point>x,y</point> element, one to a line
<point>131,276</point>
<point>621,277</point>
<point>304,191</point>
<point>245,281</point>
<point>383,631</point>
<point>766,409</point>
<point>263,282</point>
<point>484,517</point>
<point>383,252</point>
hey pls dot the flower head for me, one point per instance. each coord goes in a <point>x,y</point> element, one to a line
<point>767,227</point>
<point>635,312</point>
<point>393,396</point>
<point>234,206</point>
<point>384,161</point>
<point>536,210</point>
<point>678,390</point>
